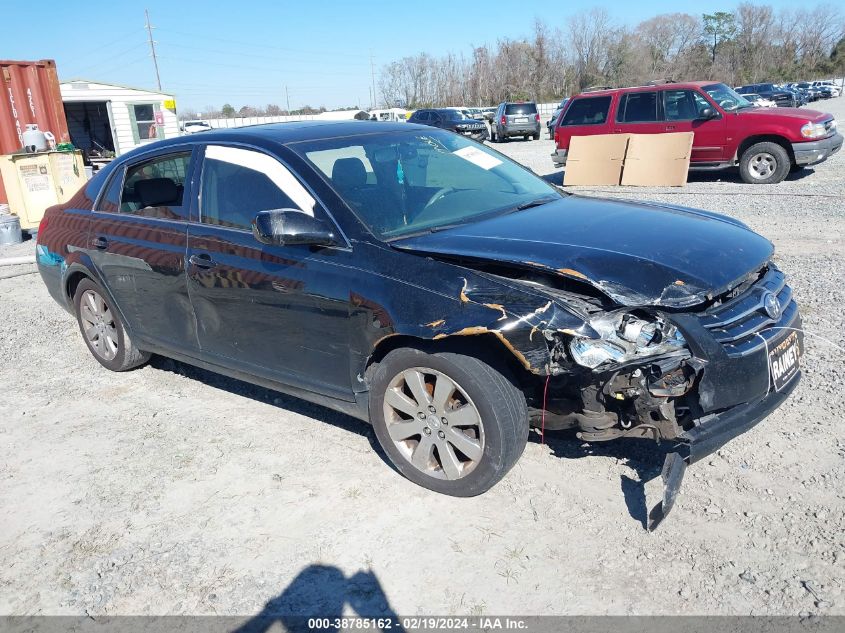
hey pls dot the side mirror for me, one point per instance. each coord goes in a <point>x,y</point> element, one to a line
<point>287,227</point>
<point>707,113</point>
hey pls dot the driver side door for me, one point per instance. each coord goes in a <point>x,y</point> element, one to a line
<point>280,312</point>
<point>682,113</point>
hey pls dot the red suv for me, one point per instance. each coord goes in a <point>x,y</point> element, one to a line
<point>765,143</point>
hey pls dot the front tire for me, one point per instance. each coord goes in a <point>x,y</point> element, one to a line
<point>764,164</point>
<point>103,331</point>
<point>448,422</point>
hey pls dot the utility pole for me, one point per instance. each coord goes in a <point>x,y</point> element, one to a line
<point>153,47</point>
<point>373,74</point>
<point>287,98</point>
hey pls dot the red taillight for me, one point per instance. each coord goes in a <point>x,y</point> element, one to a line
<point>537,117</point>
<point>42,226</point>
<point>504,120</point>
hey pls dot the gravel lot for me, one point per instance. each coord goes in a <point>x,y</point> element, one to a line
<point>170,490</point>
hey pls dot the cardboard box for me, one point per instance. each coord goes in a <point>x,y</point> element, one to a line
<point>657,160</point>
<point>595,160</point>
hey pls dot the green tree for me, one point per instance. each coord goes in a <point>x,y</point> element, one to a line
<point>228,111</point>
<point>721,27</point>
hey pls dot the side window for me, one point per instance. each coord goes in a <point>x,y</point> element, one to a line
<point>638,107</point>
<point>681,105</point>
<point>701,103</point>
<point>110,202</point>
<point>156,188</point>
<point>238,183</point>
<point>144,126</point>
<point>424,116</point>
<point>587,111</point>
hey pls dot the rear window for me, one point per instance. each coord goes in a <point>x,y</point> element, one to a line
<point>521,108</point>
<point>587,111</point>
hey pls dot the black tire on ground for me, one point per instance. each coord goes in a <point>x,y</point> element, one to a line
<point>126,356</point>
<point>764,164</point>
<point>499,404</point>
<point>537,136</point>
<point>527,137</point>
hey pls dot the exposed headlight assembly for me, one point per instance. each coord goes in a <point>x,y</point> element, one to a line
<point>625,337</point>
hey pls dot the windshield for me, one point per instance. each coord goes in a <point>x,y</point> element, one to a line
<point>454,115</point>
<point>726,98</point>
<point>411,182</point>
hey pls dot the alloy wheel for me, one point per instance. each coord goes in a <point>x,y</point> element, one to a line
<point>762,165</point>
<point>434,423</point>
<point>98,325</point>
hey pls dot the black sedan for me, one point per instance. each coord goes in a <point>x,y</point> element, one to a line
<point>425,283</point>
<point>451,119</point>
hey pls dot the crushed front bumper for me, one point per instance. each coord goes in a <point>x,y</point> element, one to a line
<point>813,152</point>
<point>708,435</point>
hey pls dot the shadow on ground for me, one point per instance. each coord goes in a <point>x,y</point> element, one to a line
<point>323,591</point>
<point>273,398</point>
<point>645,457</point>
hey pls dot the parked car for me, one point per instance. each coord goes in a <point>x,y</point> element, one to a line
<point>192,127</point>
<point>800,97</point>
<point>451,119</point>
<point>812,93</point>
<point>835,90</point>
<point>516,119</point>
<point>765,143</point>
<point>552,122</point>
<point>825,90</point>
<point>419,281</point>
<point>759,101</point>
<point>783,98</point>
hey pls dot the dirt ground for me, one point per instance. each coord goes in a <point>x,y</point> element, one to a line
<point>170,490</point>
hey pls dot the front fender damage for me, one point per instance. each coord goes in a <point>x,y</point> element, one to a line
<point>529,325</point>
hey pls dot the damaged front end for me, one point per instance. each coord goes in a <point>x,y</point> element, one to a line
<point>694,377</point>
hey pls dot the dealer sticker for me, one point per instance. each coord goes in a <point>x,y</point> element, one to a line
<point>783,360</point>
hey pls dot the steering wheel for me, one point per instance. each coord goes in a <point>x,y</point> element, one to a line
<point>439,194</point>
<point>727,103</point>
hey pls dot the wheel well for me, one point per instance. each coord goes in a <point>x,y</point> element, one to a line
<point>486,347</point>
<point>73,281</point>
<point>766,138</point>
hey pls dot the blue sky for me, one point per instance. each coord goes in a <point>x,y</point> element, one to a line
<point>246,53</point>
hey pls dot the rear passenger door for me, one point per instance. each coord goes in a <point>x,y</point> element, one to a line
<point>281,312</point>
<point>138,240</point>
<point>639,113</point>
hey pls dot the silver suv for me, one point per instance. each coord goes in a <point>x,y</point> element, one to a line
<point>516,119</point>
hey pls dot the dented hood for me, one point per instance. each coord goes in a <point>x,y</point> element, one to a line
<point>636,253</point>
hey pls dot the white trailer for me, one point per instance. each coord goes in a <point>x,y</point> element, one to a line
<point>108,119</point>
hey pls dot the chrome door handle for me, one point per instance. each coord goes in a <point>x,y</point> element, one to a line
<point>202,261</point>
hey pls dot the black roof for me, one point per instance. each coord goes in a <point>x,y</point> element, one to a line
<point>293,132</point>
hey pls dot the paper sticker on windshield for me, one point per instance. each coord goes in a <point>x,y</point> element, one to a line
<point>477,157</point>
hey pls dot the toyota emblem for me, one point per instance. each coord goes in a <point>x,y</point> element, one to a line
<point>771,305</point>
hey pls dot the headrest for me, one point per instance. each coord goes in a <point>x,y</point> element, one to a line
<point>156,192</point>
<point>349,172</point>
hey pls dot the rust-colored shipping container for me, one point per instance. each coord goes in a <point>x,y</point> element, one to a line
<point>30,94</point>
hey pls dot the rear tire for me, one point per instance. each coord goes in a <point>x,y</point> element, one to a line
<point>103,331</point>
<point>537,136</point>
<point>764,164</point>
<point>475,433</point>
